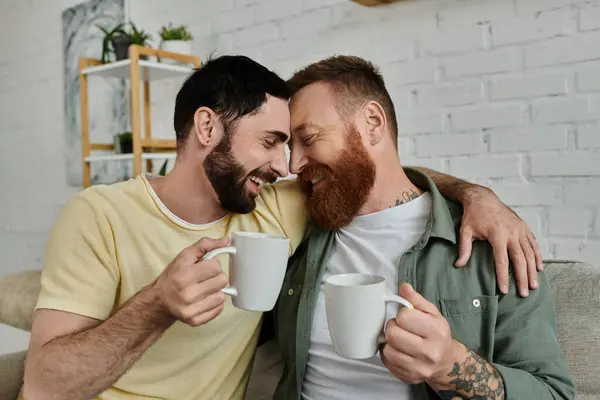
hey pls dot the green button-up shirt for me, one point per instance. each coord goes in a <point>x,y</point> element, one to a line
<point>517,335</point>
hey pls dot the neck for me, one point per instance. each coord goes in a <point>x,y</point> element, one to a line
<point>188,194</point>
<point>392,187</point>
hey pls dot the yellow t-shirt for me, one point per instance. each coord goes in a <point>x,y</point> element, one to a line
<point>111,240</point>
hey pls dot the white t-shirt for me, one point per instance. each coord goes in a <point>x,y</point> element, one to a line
<point>373,244</point>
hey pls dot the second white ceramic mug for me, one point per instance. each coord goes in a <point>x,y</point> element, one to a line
<point>256,270</point>
<point>355,308</point>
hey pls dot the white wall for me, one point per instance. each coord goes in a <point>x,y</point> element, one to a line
<point>504,92</point>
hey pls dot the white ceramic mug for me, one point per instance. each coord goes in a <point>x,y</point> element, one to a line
<point>256,270</point>
<point>355,308</point>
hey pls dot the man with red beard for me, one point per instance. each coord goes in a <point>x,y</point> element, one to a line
<point>128,308</point>
<point>464,339</point>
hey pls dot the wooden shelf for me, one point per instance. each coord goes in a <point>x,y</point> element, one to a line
<point>140,71</point>
<point>149,70</point>
<point>150,144</point>
<point>160,144</point>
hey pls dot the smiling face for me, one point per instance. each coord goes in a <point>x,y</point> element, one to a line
<point>250,154</point>
<point>232,122</point>
<point>329,157</point>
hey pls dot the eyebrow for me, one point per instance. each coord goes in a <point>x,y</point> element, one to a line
<point>282,136</point>
<point>305,126</point>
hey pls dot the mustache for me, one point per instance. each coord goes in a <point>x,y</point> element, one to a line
<point>313,171</point>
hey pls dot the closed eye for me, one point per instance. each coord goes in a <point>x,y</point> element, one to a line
<point>308,140</point>
<point>270,143</point>
<point>275,137</point>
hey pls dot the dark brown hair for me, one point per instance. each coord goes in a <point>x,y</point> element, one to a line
<point>354,81</point>
<point>232,86</point>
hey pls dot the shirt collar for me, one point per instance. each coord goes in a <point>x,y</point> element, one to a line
<point>440,223</point>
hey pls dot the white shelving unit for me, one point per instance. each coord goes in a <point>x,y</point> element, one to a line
<point>140,69</point>
<point>149,70</point>
<point>129,157</point>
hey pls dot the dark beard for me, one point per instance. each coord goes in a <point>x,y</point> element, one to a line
<point>228,177</point>
<point>349,182</point>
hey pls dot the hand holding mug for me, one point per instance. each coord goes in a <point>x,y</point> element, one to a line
<point>419,345</point>
<point>190,288</point>
<point>193,286</point>
<point>355,305</point>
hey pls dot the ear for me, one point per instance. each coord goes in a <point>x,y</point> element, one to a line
<point>376,122</point>
<point>206,127</point>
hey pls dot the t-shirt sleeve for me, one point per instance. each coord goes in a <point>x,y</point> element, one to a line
<point>80,272</point>
<point>286,202</point>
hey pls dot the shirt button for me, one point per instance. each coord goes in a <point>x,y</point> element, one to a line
<point>476,303</point>
<point>290,292</point>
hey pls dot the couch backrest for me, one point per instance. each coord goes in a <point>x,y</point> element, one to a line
<point>18,296</point>
<point>576,290</point>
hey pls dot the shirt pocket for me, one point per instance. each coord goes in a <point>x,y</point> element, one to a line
<point>472,321</point>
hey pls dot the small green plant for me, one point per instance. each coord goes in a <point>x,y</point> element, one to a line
<point>120,39</point>
<point>139,36</point>
<point>109,36</point>
<point>171,32</point>
<point>123,143</point>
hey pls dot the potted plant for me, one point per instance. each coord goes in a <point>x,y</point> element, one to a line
<point>123,143</point>
<point>109,37</point>
<point>120,39</point>
<point>139,37</point>
<point>175,39</point>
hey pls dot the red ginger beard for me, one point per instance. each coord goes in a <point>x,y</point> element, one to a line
<point>347,184</point>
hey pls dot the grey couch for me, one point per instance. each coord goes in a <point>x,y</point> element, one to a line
<point>575,286</point>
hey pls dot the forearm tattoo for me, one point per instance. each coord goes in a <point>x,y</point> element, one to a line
<point>474,379</point>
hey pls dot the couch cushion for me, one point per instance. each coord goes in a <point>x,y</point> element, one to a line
<point>266,371</point>
<point>18,296</point>
<point>11,374</point>
<point>576,290</point>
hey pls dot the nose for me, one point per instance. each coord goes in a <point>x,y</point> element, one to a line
<point>280,165</point>
<point>298,159</point>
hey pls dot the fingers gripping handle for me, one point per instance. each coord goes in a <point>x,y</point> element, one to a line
<point>389,297</point>
<point>231,291</point>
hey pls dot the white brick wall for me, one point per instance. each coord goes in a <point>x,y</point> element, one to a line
<point>474,168</point>
<point>589,17</point>
<point>527,139</point>
<point>542,26</point>
<point>530,85</point>
<point>480,63</point>
<point>506,93</point>
<point>588,137</point>
<point>569,221</point>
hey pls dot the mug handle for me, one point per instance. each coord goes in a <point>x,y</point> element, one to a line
<point>231,291</point>
<point>389,297</point>
<point>393,298</point>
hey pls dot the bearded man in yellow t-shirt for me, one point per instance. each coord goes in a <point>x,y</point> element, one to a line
<point>128,309</point>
